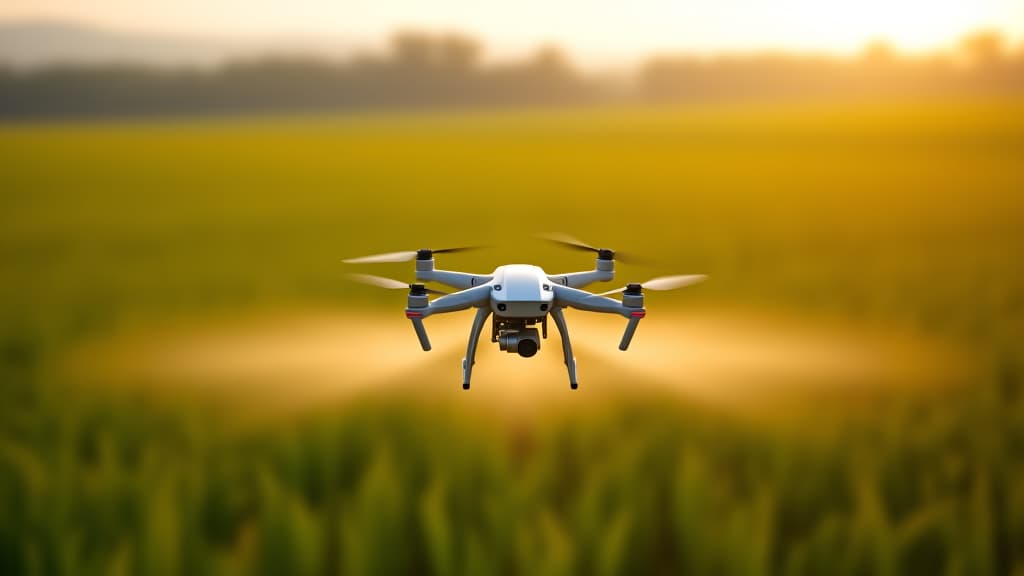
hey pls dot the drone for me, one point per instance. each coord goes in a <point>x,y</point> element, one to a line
<point>520,297</point>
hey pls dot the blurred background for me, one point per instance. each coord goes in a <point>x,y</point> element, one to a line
<point>190,384</point>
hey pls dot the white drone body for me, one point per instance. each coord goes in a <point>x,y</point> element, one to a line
<point>520,297</point>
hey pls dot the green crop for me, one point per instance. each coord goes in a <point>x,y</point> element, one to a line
<point>901,215</point>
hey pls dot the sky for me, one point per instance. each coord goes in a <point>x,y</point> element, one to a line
<point>594,29</point>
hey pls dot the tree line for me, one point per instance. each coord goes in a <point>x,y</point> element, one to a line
<point>421,70</point>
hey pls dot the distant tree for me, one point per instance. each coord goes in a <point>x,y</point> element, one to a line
<point>552,59</point>
<point>458,52</point>
<point>422,69</point>
<point>984,47</point>
<point>413,49</point>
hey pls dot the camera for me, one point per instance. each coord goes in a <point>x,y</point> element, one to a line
<point>524,341</point>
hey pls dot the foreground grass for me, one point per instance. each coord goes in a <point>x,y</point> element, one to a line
<point>641,485</point>
<point>904,214</point>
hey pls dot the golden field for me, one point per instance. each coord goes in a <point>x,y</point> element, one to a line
<point>190,385</point>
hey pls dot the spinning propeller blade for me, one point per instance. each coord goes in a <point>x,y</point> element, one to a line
<point>664,283</point>
<point>404,256</point>
<point>577,244</point>
<point>570,241</point>
<point>388,283</point>
<point>381,258</point>
<point>454,250</point>
<point>673,282</point>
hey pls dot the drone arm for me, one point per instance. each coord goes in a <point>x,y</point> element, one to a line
<point>419,308</point>
<point>472,297</point>
<point>581,279</point>
<point>582,300</point>
<point>604,271</point>
<point>425,272</point>
<point>460,280</point>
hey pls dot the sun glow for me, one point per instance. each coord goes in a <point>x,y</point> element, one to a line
<point>911,26</point>
<point>587,28</point>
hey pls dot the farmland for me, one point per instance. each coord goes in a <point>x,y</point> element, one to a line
<point>897,226</point>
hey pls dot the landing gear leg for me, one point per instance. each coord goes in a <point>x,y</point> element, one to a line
<point>563,331</point>
<point>474,336</point>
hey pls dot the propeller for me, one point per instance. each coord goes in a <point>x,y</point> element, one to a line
<point>577,244</point>
<point>663,283</point>
<point>570,241</point>
<point>405,256</point>
<point>391,283</point>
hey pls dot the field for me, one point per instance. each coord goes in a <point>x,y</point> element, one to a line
<point>188,383</point>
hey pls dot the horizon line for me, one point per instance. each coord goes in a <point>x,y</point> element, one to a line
<point>324,45</point>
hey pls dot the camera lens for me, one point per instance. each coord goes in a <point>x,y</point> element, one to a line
<point>527,347</point>
<point>502,306</point>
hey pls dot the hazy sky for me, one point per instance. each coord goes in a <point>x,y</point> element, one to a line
<point>589,28</point>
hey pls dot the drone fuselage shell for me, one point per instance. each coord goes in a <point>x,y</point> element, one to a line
<point>521,291</point>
